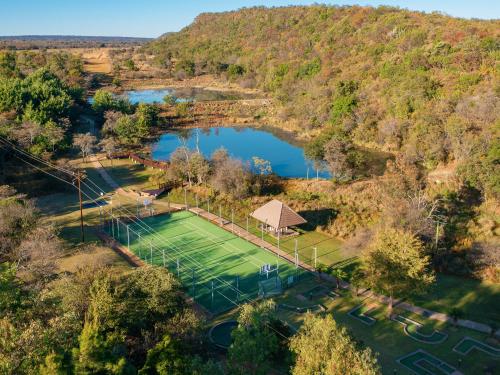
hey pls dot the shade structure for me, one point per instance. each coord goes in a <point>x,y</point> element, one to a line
<point>277,215</point>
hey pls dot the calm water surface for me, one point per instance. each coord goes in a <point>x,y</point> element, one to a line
<point>182,94</point>
<point>287,160</point>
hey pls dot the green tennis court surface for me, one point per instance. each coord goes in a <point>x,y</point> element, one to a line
<point>216,267</point>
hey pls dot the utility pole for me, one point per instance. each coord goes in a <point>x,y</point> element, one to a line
<point>78,179</point>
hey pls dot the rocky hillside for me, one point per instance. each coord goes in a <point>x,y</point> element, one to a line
<point>423,84</point>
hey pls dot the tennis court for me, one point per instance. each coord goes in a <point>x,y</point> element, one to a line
<point>216,267</point>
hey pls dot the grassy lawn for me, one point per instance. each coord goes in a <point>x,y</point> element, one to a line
<point>84,257</point>
<point>387,337</point>
<point>127,174</point>
<point>477,300</point>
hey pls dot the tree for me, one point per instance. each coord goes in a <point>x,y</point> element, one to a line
<point>231,177</point>
<point>126,130</point>
<point>395,264</point>
<point>109,146</point>
<point>262,166</point>
<point>103,101</point>
<point>10,292</point>
<point>53,365</point>
<point>147,117</point>
<point>183,109</point>
<point>218,157</point>
<point>100,352</point>
<point>8,64</point>
<point>27,133</point>
<point>254,341</point>
<point>358,279</point>
<point>339,275</point>
<point>165,358</point>
<point>169,99</point>
<point>199,167</point>
<point>321,346</point>
<point>85,142</point>
<point>54,134</point>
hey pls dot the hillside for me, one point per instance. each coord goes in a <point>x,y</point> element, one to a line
<point>425,84</point>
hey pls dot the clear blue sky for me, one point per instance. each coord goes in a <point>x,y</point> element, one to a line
<point>151,18</point>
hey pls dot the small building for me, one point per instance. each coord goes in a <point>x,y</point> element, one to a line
<point>277,217</point>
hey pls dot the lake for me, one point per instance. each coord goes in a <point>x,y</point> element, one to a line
<point>183,94</point>
<point>287,160</point>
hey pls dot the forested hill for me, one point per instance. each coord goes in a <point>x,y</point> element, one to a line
<point>425,84</point>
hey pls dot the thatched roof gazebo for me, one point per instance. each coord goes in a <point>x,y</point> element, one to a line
<point>277,216</point>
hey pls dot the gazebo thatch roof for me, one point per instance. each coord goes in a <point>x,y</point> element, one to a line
<point>278,215</point>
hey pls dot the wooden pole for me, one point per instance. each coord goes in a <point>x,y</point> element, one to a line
<point>78,178</point>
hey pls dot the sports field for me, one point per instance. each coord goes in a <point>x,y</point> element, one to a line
<point>219,269</point>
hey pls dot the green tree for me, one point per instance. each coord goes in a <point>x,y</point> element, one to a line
<point>186,65</point>
<point>126,130</point>
<point>235,70</point>
<point>169,99</point>
<point>53,365</point>
<point>103,101</point>
<point>10,292</point>
<point>339,275</point>
<point>100,352</point>
<point>147,117</point>
<point>8,66</point>
<point>395,264</point>
<point>321,346</point>
<point>254,341</point>
<point>165,358</point>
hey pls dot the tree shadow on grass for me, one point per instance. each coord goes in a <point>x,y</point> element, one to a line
<point>317,218</point>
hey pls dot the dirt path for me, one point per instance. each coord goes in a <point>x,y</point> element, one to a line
<point>97,60</point>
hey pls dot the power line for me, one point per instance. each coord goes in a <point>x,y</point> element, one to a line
<point>136,220</point>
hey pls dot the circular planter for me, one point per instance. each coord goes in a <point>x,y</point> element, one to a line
<point>220,334</point>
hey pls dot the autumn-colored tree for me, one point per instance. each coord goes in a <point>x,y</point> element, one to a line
<point>323,347</point>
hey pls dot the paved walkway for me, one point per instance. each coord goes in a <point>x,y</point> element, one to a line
<point>241,232</point>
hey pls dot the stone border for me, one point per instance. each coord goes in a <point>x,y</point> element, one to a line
<point>370,318</point>
<point>475,347</point>
<point>455,372</point>
<point>419,325</point>
<point>301,310</point>
<point>210,337</point>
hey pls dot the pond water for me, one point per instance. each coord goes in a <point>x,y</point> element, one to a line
<point>287,160</point>
<point>183,94</point>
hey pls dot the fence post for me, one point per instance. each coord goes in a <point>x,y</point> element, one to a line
<point>151,252</point>
<point>128,239</point>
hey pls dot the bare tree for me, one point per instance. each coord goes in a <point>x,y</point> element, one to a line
<point>85,142</point>
<point>37,253</point>
<point>54,134</point>
<point>27,132</point>
<point>109,146</point>
<point>231,177</point>
<point>111,120</point>
<point>219,156</point>
<point>337,159</point>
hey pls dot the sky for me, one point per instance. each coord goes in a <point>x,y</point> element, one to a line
<point>151,18</point>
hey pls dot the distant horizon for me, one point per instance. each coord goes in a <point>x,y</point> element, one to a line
<point>75,36</point>
<point>153,18</point>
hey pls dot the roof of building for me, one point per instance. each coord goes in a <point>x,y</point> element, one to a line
<point>277,215</point>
